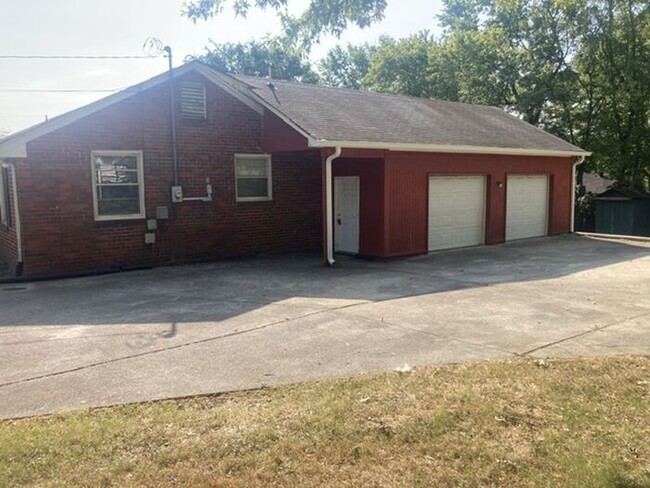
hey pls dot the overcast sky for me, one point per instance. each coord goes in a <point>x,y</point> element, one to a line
<point>120,27</point>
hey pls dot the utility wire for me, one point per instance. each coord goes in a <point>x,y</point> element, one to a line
<point>21,56</point>
<point>28,90</point>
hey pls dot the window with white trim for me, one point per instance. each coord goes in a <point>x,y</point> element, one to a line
<point>193,100</point>
<point>4,198</point>
<point>118,185</point>
<point>253,177</point>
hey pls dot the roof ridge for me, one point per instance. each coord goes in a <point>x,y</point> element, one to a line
<point>355,90</point>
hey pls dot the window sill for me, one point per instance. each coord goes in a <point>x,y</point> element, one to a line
<point>254,199</point>
<point>115,218</point>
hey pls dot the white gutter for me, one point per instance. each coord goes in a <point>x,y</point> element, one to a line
<point>407,147</point>
<point>19,234</point>
<point>328,205</point>
<point>580,160</point>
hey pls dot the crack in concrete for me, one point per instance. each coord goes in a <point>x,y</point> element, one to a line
<point>437,336</point>
<point>582,334</point>
<point>310,314</point>
<point>176,346</point>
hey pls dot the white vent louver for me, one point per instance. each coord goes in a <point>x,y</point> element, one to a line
<point>193,100</point>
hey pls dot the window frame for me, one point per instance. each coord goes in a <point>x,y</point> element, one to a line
<point>5,212</point>
<point>269,178</point>
<point>140,171</point>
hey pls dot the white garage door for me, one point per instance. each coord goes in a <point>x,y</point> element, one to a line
<point>527,207</point>
<point>456,211</point>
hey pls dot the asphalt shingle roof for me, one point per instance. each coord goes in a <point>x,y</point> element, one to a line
<point>336,114</point>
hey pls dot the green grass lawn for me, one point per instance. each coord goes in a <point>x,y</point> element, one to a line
<point>574,423</point>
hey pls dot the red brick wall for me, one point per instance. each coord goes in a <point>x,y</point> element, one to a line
<point>8,246</point>
<point>59,229</point>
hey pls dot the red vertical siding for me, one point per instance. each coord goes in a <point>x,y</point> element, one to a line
<point>371,200</point>
<point>406,191</point>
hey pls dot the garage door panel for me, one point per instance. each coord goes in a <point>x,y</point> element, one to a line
<point>456,211</point>
<point>527,207</point>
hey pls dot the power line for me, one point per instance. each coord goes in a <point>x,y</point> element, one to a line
<point>43,56</point>
<point>29,90</point>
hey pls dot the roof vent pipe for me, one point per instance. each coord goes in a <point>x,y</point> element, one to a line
<point>329,210</point>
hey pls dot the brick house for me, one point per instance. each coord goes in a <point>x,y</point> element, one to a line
<point>248,164</point>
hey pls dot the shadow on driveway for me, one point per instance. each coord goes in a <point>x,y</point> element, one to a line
<point>219,291</point>
<point>208,328</point>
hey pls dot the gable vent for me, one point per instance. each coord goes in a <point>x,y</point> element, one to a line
<point>193,100</point>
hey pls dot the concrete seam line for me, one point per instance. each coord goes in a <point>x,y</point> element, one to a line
<point>439,336</point>
<point>171,348</point>
<point>581,334</point>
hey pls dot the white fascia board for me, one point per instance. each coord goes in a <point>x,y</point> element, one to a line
<point>406,147</point>
<point>14,146</point>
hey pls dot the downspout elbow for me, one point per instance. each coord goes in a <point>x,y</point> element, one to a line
<point>329,206</point>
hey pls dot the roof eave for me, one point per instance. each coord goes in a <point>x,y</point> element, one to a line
<point>13,150</point>
<point>459,149</point>
<point>15,145</point>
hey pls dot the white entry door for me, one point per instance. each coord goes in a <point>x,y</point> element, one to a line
<point>527,206</point>
<point>346,214</point>
<point>456,211</point>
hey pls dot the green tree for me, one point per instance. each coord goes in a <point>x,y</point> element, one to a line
<point>402,66</point>
<point>260,58</point>
<point>320,17</point>
<point>515,53</point>
<point>619,49</point>
<point>346,67</point>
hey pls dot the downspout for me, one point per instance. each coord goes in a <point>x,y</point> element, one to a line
<point>19,234</point>
<point>581,159</point>
<point>328,205</point>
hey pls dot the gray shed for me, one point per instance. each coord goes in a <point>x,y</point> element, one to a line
<point>623,212</point>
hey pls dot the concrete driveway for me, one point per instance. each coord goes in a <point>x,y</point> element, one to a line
<point>209,328</point>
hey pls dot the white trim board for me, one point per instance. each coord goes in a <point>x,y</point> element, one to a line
<point>407,147</point>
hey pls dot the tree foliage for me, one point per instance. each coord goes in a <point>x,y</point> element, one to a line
<point>346,67</point>
<point>320,17</point>
<point>616,55</point>
<point>272,56</point>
